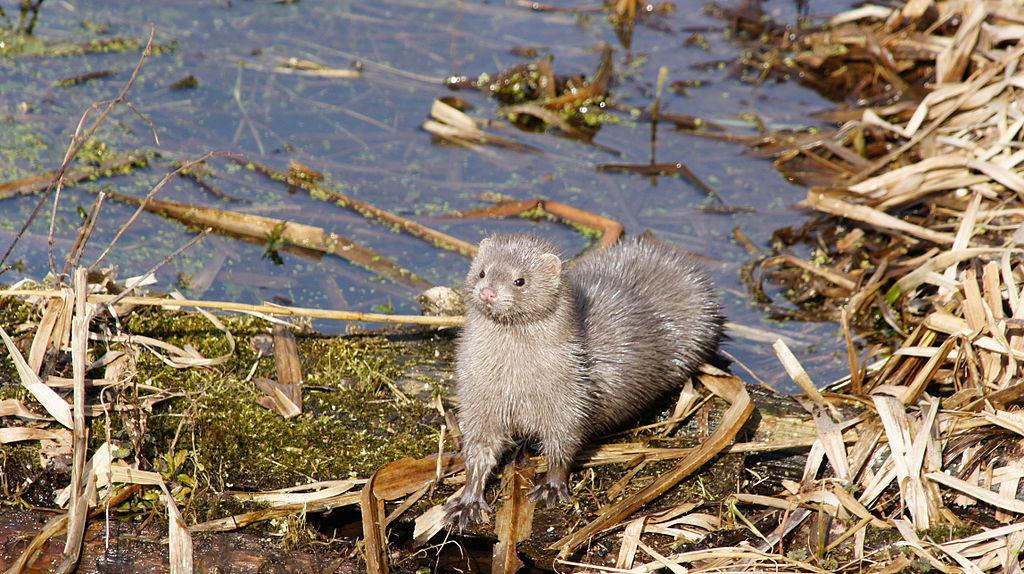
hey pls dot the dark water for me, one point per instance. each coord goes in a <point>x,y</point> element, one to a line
<point>364,134</point>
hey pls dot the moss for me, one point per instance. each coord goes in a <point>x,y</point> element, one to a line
<point>946,532</point>
<point>15,312</point>
<point>366,362</point>
<point>191,329</point>
<point>212,435</point>
<point>14,315</point>
<point>23,480</point>
<point>351,423</point>
<point>342,434</point>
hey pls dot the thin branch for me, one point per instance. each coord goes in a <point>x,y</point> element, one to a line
<point>142,205</point>
<point>83,236</point>
<point>165,261</point>
<point>77,142</point>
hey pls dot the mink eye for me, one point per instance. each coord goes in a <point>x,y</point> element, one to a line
<point>482,273</point>
<point>519,282</point>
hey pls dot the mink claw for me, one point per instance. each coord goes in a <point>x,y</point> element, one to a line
<point>550,493</point>
<point>463,512</point>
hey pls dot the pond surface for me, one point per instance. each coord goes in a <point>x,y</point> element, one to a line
<point>364,135</point>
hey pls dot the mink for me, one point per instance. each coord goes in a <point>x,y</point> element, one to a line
<point>561,353</point>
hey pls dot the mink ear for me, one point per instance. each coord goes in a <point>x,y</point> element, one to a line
<point>481,247</point>
<point>551,264</point>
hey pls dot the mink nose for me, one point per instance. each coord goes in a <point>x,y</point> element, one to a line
<point>488,294</point>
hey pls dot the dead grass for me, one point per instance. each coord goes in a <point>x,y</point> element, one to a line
<point>926,191</point>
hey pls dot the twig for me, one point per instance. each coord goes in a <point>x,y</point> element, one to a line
<point>730,389</point>
<point>32,184</point>
<point>300,236</point>
<point>142,205</point>
<point>656,110</point>
<point>83,236</point>
<point>246,120</point>
<point>76,145</point>
<point>78,506</point>
<point>165,261</point>
<point>78,142</point>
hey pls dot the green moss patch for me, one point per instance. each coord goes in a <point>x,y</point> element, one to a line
<point>212,435</point>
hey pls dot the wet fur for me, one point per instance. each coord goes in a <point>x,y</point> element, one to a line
<point>575,351</point>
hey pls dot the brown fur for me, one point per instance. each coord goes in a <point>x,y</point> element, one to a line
<point>571,352</point>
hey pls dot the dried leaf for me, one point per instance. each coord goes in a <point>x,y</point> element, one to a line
<point>51,401</point>
<point>18,434</point>
<point>796,371</point>
<point>16,408</point>
<point>873,217</point>
<point>630,543</point>
<point>407,475</point>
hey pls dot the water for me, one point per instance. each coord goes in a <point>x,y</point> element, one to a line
<point>364,135</point>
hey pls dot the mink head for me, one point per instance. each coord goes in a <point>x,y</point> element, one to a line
<point>515,278</point>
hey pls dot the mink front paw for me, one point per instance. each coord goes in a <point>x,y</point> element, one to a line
<point>551,493</point>
<point>462,512</point>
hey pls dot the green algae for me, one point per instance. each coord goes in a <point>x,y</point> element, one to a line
<point>22,146</point>
<point>28,46</point>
